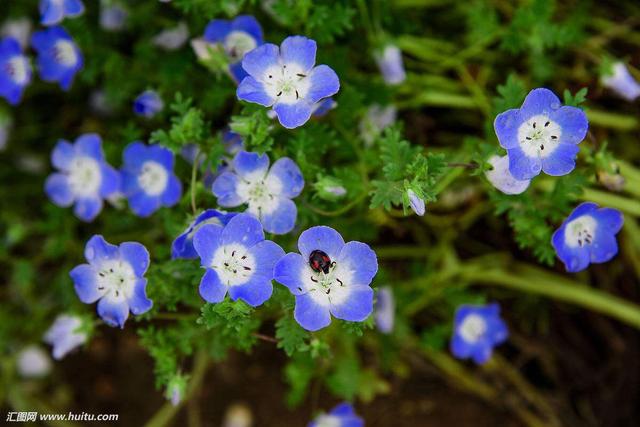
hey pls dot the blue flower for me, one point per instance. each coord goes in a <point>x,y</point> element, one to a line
<point>52,12</point>
<point>114,276</point>
<point>501,178</point>
<point>112,16</point>
<point>285,78</point>
<point>385,310</point>
<point>322,107</point>
<point>328,277</point>
<point>182,246</point>
<point>389,60</point>
<point>83,176</point>
<point>59,58</point>
<point>541,135</point>
<point>622,82</point>
<point>416,203</point>
<point>148,104</point>
<point>15,70</point>
<point>236,37</point>
<point>342,415</point>
<point>267,192</point>
<point>476,330</point>
<point>65,334</point>
<point>237,260</point>
<point>148,181</point>
<point>588,235</point>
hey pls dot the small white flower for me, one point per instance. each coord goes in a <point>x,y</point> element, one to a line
<point>389,60</point>
<point>501,178</point>
<point>173,38</point>
<point>416,203</point>
<point>33,362</point>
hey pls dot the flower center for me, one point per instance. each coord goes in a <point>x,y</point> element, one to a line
<point>153,178</point>
<point>116,279</point>
<point>539,136</point>
<point>287,83</point>
<point>84,176</point>
<point>473,327</point>
<point>328,421</point>
<point>238,43</point>
<point>65,53</point>
<point>580,232</point>
<point>261,194</point>
<point>18,69</point>
<point>234,264</point>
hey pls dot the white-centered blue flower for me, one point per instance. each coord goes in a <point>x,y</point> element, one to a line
<point>477,329</point>
<point>182,246</point>
<point>59,58</point>
<point>389,60</point>
<point>148,104</point>
<point>342,415</point>
<point>83,178</point>
<point>542,135</point>
<point>328,277</point>
<point>385,310</point>
<point>65,334</point>
<point>622,82</point>
<point>15,70</point>
<point>286,79</point>
<point>238,260</point>
<point>33,362</point>
<point>501,178</point>
<point>114,276</point>
<point>148,181</point>
<point>52,12</point>
<point>588,235</point>
<point>267,192</point>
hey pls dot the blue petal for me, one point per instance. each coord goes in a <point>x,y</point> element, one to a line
<point>134,155</point>
<point>9,47</point>
<point>582,209</point>
<point>136,255</point>
<point>224,188</point>
<point>238,73</point>
<point>498,331</point>
<point>460,348</point>
<point>288,272</point>
<point>249,25</point>
<point>282,219</point>
<point>293,115</point>
<point>506,126</point>
<point>361,260</point>
<point>343,410</point>
<point>357,306</point>
<point>323,107</point>
<point>73,7</point>
<point>216,30</point>
<point>609,219</point>
<point>320,237</point>
<point>255,292</point>
<point>311,315</point>
<point>148,104</point>
<point>575,259</point>
<point>211,290</point>
<point>206,241</point>
<point>58,190</point>
<point>603,247</point>
<point>324,83</point>
<point>299,50</point>
<point>260,59</point>
<point>521,166</point>
<point>289,175</point>
<point>482,354</point>
<point>244,229</point>
<point>266,254</point>
<point>62,155</point>
<point>97,250</point>
<point>87,208</point>
<point>251,90</point>
<point>113,311</point>
<point>573,122</point>
<point>561,161</point>
<point>352,421</point>
<point>85,283</point>
<point>182,246</point>
<point>90,145</point>
<point>111,182</point>
<point>51,12</point>
<point>539,101</point>
<point>161,155</point>
<point>143,205</point>
<point>138,301</point>
<point>249,165</point>
<point>173,192</point>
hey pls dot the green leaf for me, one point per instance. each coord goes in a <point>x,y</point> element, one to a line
<point>291,336</point>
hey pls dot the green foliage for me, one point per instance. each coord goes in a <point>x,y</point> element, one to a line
<point>291,336</point>
<point>577,99</point>
<point>187,126</point>
<point>232,325</point>
<point>254,126</point>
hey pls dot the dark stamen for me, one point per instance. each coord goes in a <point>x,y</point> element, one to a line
<point>301,75</point>
<point>534,125</point>
<point>339,281</point>
<point>297,96</point>
<point>328,291</point>
<point>541,147</point>
<point>226,264</point>
<point>314,280</point>
<point>529,139</point>
<point>248,268</point>
<point>244,257</point>
<point>279,93</point>
<point>554,137</point>
<point>546,124</point>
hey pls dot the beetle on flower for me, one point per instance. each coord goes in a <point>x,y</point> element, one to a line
<point>15,70</point>
<point>114,276</point>
<point>343,415</point>
<point>182,246</point>
<point>148,181</point>
<point>476,330</point>
<point>65,334</point>
<point>52,12</point>
<point>59,58</point>
<point>84,178</point>
<point>588,235</point>
<point>328,277</point>
<point>286,79</point>
<point>267,192</point>
<point>148,104</point>
<point>237,259</point>
<point>542,135</point>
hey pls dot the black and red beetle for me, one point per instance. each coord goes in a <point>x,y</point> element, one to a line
<point>319,261</point>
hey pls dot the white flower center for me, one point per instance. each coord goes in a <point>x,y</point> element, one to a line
<point>473,327</point>
<point>65,53</point>
<point>580,231</point>
<point>328,421</point>
<point>261,193</point>
<point>116,279</point>
<point>287,83</point>
<point>539,136</point>
<point>238,43</point>
<point>84,176</point>
<point>327,288</point>
<point>153,178</point>
<point>234,264</point>
<point>18,69</point>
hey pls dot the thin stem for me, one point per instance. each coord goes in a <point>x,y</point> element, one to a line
<point>264,337</point>
<point>340,211</point>
<point>194,175</point>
